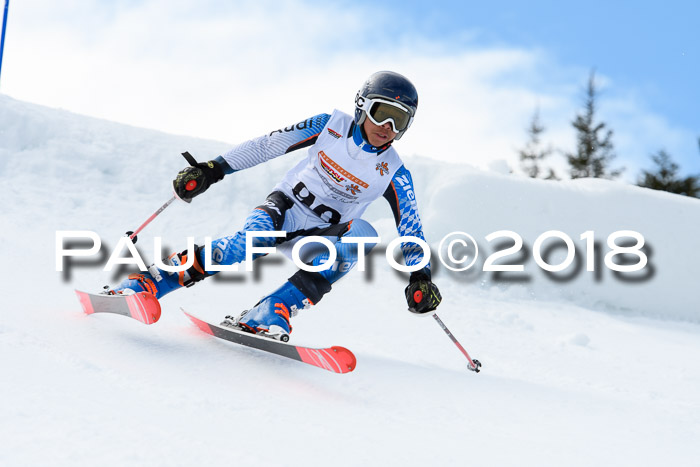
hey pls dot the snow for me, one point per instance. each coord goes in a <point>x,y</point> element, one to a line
<point>590,370</point>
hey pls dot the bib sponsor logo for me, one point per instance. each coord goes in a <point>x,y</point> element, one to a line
<point>336,194</point>
<point>331,173</point>
<point>354,189</point>
<point>334,134</point>
<point>383,168</point>
<point>336,172</point>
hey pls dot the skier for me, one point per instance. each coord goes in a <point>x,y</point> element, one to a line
<point>350,163</point>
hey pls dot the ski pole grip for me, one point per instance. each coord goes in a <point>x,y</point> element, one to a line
<point>190,159</point>
<point>418,296</point>
<point>192,184</point>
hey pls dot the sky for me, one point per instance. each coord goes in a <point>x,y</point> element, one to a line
<point>233,70</point>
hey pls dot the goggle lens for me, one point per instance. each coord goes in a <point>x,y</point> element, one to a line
<point>382,112</point>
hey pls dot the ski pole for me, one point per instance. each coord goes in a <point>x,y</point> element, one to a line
<point>474,365</point>
<point>132,234</point>
<point>4,27</point>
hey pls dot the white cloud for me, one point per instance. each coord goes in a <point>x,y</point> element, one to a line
<point>231,71</point>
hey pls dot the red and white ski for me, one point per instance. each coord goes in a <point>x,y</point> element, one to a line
<point>141,306</point>
<point>335,359</point>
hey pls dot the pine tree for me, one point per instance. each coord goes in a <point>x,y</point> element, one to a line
<point>666,178</point>
<point>594,149</point>
<point>533,153</point>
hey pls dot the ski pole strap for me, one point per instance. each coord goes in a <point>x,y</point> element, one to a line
<point>474,365</point>
<point>190,158</point>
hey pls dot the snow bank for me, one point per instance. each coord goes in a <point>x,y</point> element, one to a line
<point>480,203</point>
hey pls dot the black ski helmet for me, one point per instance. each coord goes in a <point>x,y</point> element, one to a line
<point>391,87</point>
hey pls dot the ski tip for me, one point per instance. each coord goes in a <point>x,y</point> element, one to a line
<point>336,359</point>
<point>346,357</point>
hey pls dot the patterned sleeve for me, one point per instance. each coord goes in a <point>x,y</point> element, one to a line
<point>275,144</point>
<point>402,199</point>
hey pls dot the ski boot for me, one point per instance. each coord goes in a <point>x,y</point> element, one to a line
<point>155,282</point>
<point>270,316</point>
<point>158,282</point>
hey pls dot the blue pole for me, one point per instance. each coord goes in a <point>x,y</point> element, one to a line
<point>4,26</point>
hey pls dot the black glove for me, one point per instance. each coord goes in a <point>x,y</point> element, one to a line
<point>422,295</point>
<point>195,180</point>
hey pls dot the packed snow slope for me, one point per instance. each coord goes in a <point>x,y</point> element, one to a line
<point>580,367</point>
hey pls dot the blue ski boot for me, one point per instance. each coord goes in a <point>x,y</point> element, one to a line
<point>270,316</point>
<point>155,282</point>
<point>158,282</point>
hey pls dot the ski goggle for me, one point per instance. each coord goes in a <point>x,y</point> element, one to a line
<point>381,111</point>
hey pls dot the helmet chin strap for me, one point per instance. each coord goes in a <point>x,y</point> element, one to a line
<point>360,139</point>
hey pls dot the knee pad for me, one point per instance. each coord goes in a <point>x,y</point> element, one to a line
<point>275,206</point>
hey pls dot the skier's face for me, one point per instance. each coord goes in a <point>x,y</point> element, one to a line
<point>378,135</point>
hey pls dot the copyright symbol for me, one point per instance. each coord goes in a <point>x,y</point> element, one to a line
<point>467,242</point>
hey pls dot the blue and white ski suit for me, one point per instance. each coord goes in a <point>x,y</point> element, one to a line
<point>326,193</point>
